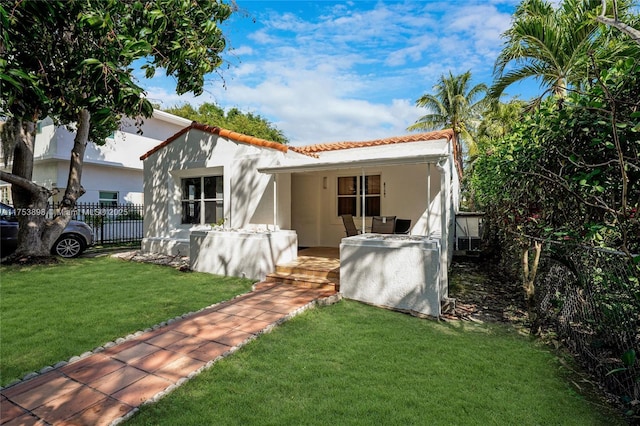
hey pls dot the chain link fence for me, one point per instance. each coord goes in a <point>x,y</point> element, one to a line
<point>591,298</point>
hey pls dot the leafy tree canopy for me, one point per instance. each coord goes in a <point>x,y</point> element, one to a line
<point>64,56</point>
<point>234,119</point>
<point>72,61</point>
<point>571,170</point>
<point>553,44</point>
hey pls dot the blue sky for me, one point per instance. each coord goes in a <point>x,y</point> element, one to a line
<point>325,71</point>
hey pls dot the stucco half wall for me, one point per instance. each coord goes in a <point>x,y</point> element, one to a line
<point>400,272</point>
<point>242,253</point>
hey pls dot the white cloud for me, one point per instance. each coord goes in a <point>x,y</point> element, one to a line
<point>354,70</point>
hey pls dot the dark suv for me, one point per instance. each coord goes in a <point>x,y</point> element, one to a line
<point>75,238</point>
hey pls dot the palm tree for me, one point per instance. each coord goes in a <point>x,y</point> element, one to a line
<point>498,120</point>
<point>552,45</point>
<point>457,105</point>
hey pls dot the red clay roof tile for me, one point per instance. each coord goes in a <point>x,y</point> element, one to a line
<point>309,150</point>
<point>418,137</point>
<point>239,137</point>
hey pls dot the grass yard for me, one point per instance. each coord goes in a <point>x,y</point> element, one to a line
<point>352,364</point>
<point>51,313</point>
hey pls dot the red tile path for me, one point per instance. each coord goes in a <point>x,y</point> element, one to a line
<point>109,385</point>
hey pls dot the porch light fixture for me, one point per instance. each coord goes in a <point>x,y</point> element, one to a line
<point>324,182</point>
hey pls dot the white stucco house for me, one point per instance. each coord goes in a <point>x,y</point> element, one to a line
<point>112,173</point>
<point>269,199</point>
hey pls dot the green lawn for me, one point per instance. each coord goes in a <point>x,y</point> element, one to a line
<point>51,313</point>
<point>354,364</point>
<point>344,364</point>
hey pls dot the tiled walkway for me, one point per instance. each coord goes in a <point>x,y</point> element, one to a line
<point>111,384</point>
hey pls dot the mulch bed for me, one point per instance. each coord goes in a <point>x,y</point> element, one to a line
<point>483,294</point>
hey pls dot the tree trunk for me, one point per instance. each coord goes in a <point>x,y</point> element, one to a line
<point>37,234</point>
<point>528,283</point>
<point>30,200</point>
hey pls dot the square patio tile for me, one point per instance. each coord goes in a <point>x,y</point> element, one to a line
<point>67,405</point>
<point>190,327</point>
<point>235,308</point>
<point>9,411</point>
<point>121,347</point>
<point>254,326</point>
<point>152,362</point>
<point>22,387</point>
<point>25,420</point>
<point>99,414</point>
<point>142,390</point>
<point>119,379</point>
<point>140,350</point>
<point>250,312</point>
<point>45,392</point>
<point>209,351</point>
<point>270,317</point>
<point>234,338</point>
<point>92,368</point>
<point>188,344</point>
<point>163,340</point>
<point>213,333</point>
<point>179,368</point>
<point>284,308</point>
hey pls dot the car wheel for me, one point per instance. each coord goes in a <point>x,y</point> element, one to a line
<point>68,246</point>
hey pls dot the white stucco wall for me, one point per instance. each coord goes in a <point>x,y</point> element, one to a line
<point>248,194</point>
<point>245,254</point>
<point>398,272</point>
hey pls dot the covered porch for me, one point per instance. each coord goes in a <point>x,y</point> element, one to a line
<point>415,185</point>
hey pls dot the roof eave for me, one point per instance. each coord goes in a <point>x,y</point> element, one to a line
<point>355,164</point>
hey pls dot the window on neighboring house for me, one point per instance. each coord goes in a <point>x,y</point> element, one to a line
<point>108,198</point>
<point>5,194</point>
<point>202,200</point>
<point>351,189</point>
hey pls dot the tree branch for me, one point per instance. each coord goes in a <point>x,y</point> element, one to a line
<point>23,183</point>
<point>627,29</point>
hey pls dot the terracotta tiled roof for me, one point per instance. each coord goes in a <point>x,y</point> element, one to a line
<point>333,146</point>
<point>239,137</point>
<point>309,150</point>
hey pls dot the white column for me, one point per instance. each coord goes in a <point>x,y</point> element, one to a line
<point>362,189</point>
<point>428,199</point>
<point>275,202</point>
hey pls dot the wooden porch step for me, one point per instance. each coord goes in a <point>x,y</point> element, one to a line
<point>305,280</point>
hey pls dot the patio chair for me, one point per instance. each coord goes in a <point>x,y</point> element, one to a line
<point>403,226</point>
<point>383,224</point>
<point>349,225</point>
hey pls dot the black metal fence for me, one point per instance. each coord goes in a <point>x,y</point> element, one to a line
<point>591,298</point>
<point>115,224</point>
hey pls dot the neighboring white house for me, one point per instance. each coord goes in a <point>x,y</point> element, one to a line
<point>112,173</point>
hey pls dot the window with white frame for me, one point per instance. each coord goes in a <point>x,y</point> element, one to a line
<point>202,200</point>
<point>351,189</point>
<point>108,198</point>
